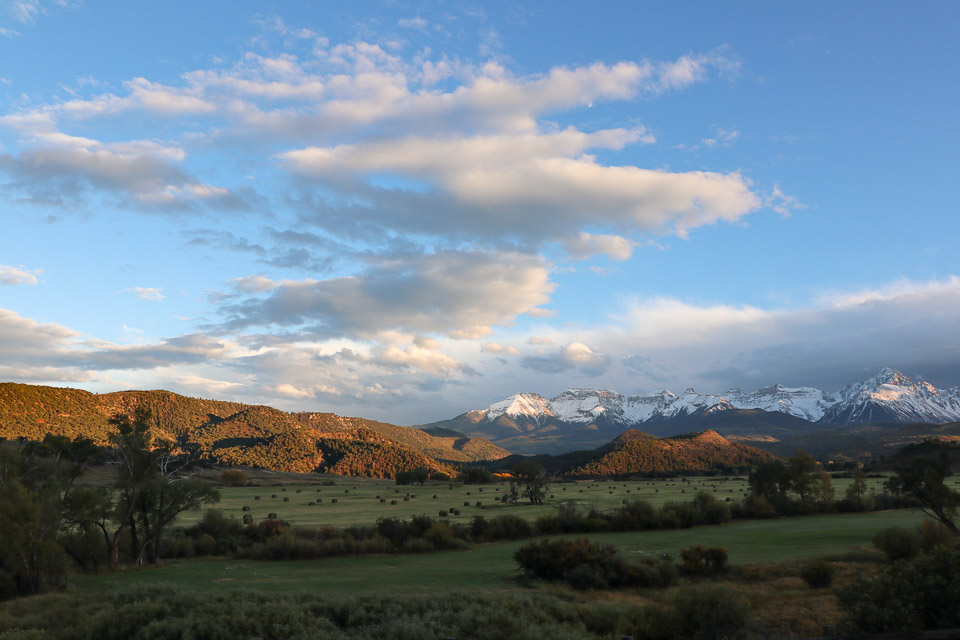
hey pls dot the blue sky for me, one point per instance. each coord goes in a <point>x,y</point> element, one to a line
<point>406,210</point>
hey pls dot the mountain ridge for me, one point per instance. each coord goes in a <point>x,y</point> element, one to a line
<point>529,422</point>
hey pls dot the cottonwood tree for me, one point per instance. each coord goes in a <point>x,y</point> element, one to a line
<point>153,487</point>
<point>924,480</point>
<point>533,480</point>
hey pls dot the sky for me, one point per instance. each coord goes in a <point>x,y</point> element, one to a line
<point>407,210</point>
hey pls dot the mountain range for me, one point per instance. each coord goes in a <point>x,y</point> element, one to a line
<point>584,418</point>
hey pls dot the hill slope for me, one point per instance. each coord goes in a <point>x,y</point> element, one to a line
<point>235,433</point>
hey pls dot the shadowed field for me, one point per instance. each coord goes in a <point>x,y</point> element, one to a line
<point>491,566</point>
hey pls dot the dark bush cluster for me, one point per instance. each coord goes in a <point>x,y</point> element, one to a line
<point>636,515</point>
<point>589,565</point>
<point>697,561</point>
<point>910,594</point>
<point>817,574</point>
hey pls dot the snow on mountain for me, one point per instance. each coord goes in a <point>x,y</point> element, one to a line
<point>803,402</point>
<point>588,405</point>
<point>521,405</point>
<point>890,396</point>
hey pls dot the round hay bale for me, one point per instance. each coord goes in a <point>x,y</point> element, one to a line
<point>284,489</point>
<point>333,499</point>
<point>393,502</point>
<point>406,498</point>
<point>299,490</point>
<point>273,495</point>
<point>479,504</point>
<point>271,516</point>
<point>456,512</point>
<point>256,497</point>
<point>245,508</point>
<point>248,519</point>
<point>443,514</point>
<point>310,504</point>
<point>383,499</point>
<point>434,496</point>
<point>286,499</point>
<point>319,500</point>
<point>466,503</point>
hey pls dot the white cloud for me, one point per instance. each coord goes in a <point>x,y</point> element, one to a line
<point>460,294</point>
<point>585,245</point>
<point>147,293</point>
<point>496,347</point>
<point>17,275</point>
<point>574,355</point>
<point>417,23</point>
<point>538,185</point>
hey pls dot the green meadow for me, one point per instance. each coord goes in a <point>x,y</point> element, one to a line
<point>363,501</point>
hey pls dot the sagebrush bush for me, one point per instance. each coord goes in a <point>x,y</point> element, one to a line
<point>709,613</point>
<point>817,573</point>
<point>907,595</point>
<point>590,565</point>
<point>698,561</point>
<point>897,543</point>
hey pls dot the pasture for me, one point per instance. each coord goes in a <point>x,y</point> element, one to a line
<point>491,566</point>
<point>352,501</point>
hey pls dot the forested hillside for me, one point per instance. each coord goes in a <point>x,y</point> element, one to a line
<point>234,433</point>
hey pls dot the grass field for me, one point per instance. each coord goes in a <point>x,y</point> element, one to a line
<point>358,500</point>
<point>491,566</point>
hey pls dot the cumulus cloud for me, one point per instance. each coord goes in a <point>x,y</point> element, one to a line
<point>574,355</point>
<point>496,347</point>
<point>837,340</point>
<point>17,275</point>
<point>144,173</point>
<point>528,185</point>
<point>585,245</point>
<point>147,293</point>
<point>461,294</point>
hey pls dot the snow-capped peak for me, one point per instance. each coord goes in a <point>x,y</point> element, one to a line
<point>526,405</point>
<point>889,396</point>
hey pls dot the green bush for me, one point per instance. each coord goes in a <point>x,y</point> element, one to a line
<point>817,573</point>
<point>897,543</point>
<point>709,613</point>
<point>934,534</point>
<point>234,478</point>
<point>698,561</point>
<point>590,565</point>
<point>907,595</point>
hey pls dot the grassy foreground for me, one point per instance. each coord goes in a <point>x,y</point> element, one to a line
<point>491,566</point>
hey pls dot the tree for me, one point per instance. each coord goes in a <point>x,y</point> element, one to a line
<point>858,489</point>
<point>802,468</point>
<point>770,480</point>
<point>36,479</point>
<point>533,479</point>
<point>826,490</point>
<point>154,484</point>
<point>923,480</point>
<point>421,475</point>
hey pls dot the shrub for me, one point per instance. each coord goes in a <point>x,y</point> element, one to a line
<point>233,478</point>
<point>817,573</point>
<point>709,613</point>
<point>933,534</point>
<point>907,595</point>
<point>897,543</point>
<point>205,545</point>
<point>702,562</point>
<point>589,565</point>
